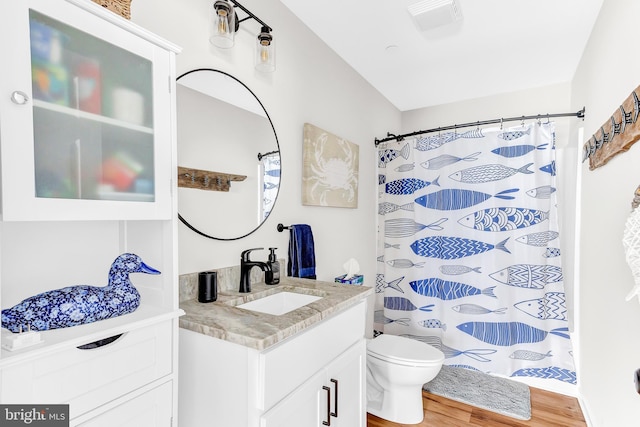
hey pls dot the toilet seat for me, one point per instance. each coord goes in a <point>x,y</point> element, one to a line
<point>404,351</point>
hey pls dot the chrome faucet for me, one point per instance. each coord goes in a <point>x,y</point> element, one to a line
<point>245,269</point>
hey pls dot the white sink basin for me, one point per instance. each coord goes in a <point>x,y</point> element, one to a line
<point>280,303</point>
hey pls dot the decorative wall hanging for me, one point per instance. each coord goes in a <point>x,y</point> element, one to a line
<point>330,167</point>
<point>616,135</point>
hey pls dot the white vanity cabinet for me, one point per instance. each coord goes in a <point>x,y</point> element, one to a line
<point>84,101</point>
<point>88,156</point>
<point>286,385</point>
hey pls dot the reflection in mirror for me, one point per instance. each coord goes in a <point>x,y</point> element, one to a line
<point>228,156</point>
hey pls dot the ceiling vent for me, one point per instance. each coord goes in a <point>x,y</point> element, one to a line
<point>429,14</point>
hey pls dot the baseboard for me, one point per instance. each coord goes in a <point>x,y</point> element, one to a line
<point>553,386</point>
<point>585,411</point>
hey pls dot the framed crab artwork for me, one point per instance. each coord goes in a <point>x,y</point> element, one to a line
<point>329,169</point>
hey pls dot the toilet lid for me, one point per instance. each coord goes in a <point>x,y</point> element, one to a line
<point>401,349</point>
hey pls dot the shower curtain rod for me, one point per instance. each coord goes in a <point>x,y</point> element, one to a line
<point>390,136</point>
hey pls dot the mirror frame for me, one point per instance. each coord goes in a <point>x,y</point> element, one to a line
<point>180,217</point>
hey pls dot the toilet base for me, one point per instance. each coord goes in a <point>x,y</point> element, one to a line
<point>402,406</point>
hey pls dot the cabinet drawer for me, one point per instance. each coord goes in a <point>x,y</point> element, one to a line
<point>151,409</point>
<point>289,364</point>
<point>88,378</point>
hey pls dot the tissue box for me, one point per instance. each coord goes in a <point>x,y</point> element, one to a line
<point>358,279</point>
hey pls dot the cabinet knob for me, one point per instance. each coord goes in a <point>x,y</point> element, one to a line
<point>19,97</point>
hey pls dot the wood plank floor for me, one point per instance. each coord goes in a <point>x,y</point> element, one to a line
<point>547,410</point>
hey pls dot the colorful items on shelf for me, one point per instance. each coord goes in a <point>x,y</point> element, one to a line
<point>50,83</point>
<point>120,171</point>
<point>49,76</point>
<point>87,83</point>
<point>61,76</point>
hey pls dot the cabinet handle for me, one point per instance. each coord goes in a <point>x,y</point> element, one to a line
<point>99,343</point>
<point>19,97</point>
<point>328,422</point>
<point>335,399</point>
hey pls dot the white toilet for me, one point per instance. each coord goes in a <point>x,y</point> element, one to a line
<point>397,368</point>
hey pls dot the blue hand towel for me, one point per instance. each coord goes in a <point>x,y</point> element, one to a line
<point>302,258</point>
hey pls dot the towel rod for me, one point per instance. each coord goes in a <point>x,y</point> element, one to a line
<point>281,227</point>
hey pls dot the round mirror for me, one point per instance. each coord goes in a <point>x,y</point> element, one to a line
<point>228,156</point>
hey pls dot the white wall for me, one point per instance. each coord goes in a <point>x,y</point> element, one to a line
<point>311,84</point>
<point>610,345</point>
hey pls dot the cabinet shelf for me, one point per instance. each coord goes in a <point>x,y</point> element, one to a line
<point>72,112</point>
<point>125,196</point>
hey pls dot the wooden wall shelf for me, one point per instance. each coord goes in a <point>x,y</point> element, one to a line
<point>616,135</point>
<point>206,180</point>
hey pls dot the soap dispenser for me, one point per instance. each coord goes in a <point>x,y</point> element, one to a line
<point>274,277</point>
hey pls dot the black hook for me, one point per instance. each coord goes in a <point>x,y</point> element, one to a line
<point>281,227</point>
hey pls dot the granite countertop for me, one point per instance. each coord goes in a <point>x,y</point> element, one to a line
<point>222,319</point>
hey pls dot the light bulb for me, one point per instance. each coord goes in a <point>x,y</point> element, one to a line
<point>265,51</point>
<point>222,21</point>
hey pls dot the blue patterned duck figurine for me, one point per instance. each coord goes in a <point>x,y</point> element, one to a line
<point>77,305</point>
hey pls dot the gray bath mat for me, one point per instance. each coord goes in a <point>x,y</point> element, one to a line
<point>485,391</point>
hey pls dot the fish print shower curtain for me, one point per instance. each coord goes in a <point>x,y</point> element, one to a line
<point>468,250</point>
<point>270,172</point>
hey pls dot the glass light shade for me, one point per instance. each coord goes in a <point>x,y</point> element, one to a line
<point>265,59</point>
<point>223,25</point>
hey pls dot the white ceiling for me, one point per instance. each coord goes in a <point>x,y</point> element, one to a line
<point>499,46</point>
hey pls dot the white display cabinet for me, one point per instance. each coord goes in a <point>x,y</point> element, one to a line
<point>84,113</point>
<point>88,165</point>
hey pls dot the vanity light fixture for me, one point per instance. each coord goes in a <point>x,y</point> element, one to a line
<point>224,25</point>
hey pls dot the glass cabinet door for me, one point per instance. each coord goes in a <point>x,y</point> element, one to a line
<point>92,116</point>
<point>87,115</point>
